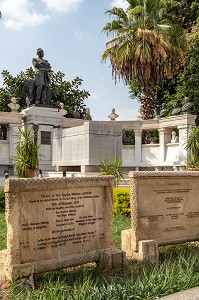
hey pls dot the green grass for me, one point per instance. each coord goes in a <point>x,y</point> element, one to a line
<point>120,222</point>
<point>178,270</point>
<point>139,282</point>
<point>2,229</point>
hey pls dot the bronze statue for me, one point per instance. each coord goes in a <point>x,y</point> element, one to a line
<point>176,109</point>
<point>38,89</point>
<point>187,107</point>
<point>164,110</point>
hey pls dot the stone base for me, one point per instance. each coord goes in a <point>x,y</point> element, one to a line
<point>146,250</point>
<point>3,255</point>
<point>129,245</point>
<point>108,259</point>
<point>113,260</point>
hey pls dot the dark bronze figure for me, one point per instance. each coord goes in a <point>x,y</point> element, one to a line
<point>38,89</point>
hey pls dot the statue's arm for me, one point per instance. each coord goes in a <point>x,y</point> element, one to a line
<point>44,65</point>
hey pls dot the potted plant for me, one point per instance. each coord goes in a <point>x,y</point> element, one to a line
<point>27,153</point>
<point>193,147</point>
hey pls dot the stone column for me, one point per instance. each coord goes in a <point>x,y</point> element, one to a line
<point>165,137</point>
<point>138,146</point>
<point>13,137</point>
<point>183,136</point>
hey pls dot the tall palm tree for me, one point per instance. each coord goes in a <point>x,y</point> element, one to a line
<point>145,45</point>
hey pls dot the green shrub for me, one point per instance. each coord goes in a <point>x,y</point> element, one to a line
<point>122,201</point>
<point>2,198</point>
<point>112,168</point>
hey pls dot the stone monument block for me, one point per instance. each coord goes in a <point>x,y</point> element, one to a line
<point>54,223</point>
<point>164,210</point>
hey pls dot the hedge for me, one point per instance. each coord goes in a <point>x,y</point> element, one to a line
<point>122,201</point>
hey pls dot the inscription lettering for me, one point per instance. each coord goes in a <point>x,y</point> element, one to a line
<point>73,220</point>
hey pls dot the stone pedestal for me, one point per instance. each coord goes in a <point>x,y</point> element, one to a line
<point>43,120</point>
<point>144,250</point>
<point>42,115</point>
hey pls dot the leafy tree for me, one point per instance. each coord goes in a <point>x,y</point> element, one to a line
<point>186,14</point>
<point>63,91</point>
<point>146,47</point>
<point>68,93</point>
<point>186,84</point>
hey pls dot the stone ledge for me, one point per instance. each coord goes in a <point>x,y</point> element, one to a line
<point>26,184</point>
<point>134,174</point>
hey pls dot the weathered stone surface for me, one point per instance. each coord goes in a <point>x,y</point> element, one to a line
<point>113,259</point>
<point>148,251</point>
<point>164,208</point>
<point>57,222</point>
<point>3,254</point>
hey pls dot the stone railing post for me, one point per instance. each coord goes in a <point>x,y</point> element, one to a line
<point>138,146</point>
<point>165,137</point>
<point>183,136</point>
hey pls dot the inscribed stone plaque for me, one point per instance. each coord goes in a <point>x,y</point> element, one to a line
<point>63,223</point>
<point>165,206</point>
<point>55,218</point>
<point>45,137</point>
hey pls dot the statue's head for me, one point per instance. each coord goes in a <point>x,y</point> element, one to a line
<point>40,51</point>
<point>175,104</point>
<point>163,105</point>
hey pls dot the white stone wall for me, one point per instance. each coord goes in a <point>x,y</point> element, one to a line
<point>128,155</point>
<point>5,152</point>
<point>150,154</point>
<point>86,145</point>
<point>172,153</point>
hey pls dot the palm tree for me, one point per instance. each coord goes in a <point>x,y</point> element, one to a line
<point>145,46</point>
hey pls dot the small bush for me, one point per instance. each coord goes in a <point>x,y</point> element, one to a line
<point>122,201</point>
<point>2,199</point>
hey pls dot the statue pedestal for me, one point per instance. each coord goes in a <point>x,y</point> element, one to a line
<point>42,115</point>
<point>43,120</point>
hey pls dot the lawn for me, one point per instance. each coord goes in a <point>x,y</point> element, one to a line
<point>178,270</point>
<point>2,229</point>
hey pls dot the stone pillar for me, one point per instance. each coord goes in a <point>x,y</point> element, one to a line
<point>13,137</point>
<point>183,135</point>
<point>165,137</point>
<point>45,140</point>
<point>138,146</point>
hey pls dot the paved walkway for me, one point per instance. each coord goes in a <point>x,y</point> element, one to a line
<point>192,294</point>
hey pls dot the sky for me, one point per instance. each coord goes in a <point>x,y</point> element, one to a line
<point>70,33</point>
